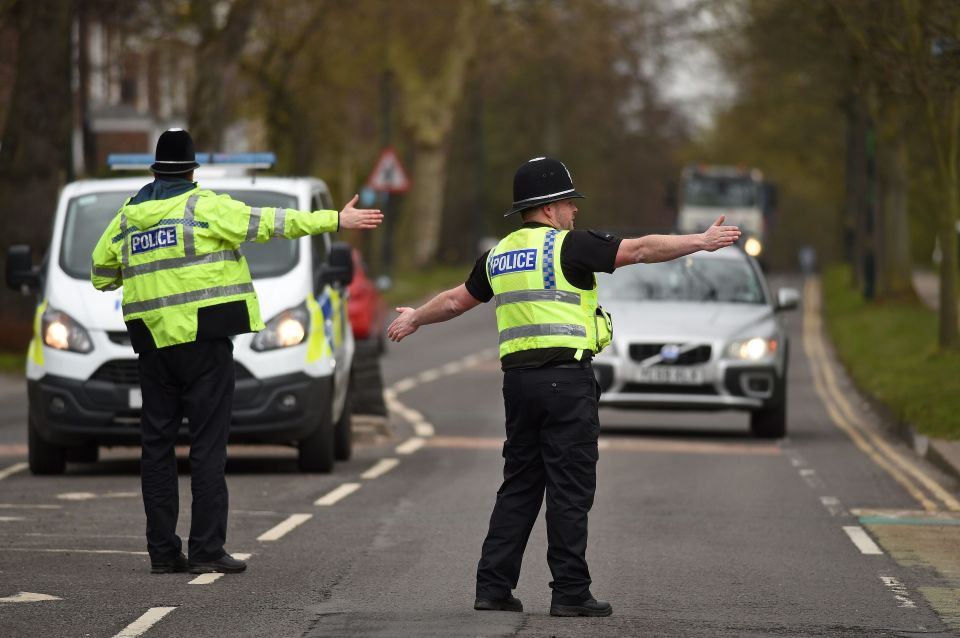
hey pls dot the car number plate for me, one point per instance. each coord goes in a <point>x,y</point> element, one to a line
<point>672,375</point>
<point>136,398</point>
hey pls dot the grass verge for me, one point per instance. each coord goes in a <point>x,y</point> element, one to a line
<point>13,362</point>
<point>415,286</point>
<point>890,350</point>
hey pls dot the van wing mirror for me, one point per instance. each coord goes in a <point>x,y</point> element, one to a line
<point>339,267</point>
<point>22,276</point>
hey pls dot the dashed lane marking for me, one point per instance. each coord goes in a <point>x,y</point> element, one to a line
<point>810,477</point>
<point>140,626</point>
<point>28,506</point>
<point>28,597</point>
<point>207,579</point>
<point>11,519</point>
<point>279,531</point>
<point>862,540</point>
<point>13,469</point>
<point>44,550</point>
<point>380,468</point>
<point>338,494</point>
<point>411,445</point>
<point>899,591</point>
<point>619,445</point>
<point>833,505</point>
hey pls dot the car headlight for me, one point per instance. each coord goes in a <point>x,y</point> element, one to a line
<point>289,328</point>
<point>753,349</point>
<point>752,247</point>
<point>61,331</point>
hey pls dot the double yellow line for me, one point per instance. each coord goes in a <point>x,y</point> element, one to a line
<point>930,494</point>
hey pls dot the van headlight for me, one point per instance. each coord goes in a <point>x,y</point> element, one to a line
<point>61,331</point>
<point>753,349</point>
<point>289,328</point>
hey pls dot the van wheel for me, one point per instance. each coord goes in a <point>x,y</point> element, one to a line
<point>315,453</point>
<point>43,457</point>
<point>771,422</point>
<point>343,430</point>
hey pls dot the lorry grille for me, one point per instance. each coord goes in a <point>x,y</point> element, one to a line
<point>125,372</point>
<point>642,351</point>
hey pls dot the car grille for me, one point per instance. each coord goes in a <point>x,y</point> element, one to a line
<point>125,372</point>
<point>666,388</point>
<point>643,351</point>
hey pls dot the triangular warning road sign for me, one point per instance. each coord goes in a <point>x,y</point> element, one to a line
<point>388,174</point>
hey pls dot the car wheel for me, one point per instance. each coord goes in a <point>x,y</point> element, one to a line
<point>343,430</point>
<point>43,457</point>
<point>771,422</point>
<point>315,452</point>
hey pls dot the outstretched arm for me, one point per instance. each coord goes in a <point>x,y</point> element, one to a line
<point>655,248</point>
<point>447,305</point>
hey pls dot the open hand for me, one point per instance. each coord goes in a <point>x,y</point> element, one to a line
<point>719,236</point>
<point>403,325</point>
<point>361,218</point>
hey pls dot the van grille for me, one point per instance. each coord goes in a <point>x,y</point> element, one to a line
<point>125,372</point>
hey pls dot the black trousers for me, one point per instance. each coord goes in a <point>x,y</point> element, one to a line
<point>193,380</point>
<point>552,429</point>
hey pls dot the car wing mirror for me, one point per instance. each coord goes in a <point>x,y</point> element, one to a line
<point>788,298</point>
<point>21,273</point>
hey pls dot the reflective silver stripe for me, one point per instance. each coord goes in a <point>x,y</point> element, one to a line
<point>254,224</point>
<point>181,262</point>
<point>519,296</point>
<point>543,330</point>
<point>279,216</point>
<point>113,273</point>
<point>186,297</point>
<point>189,247</point>
<point>124,254</point>
<point>530,199</point>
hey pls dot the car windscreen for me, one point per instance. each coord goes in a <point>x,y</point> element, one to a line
<point>88,215</point>
<point>691,278</point>
<point>728,192</point>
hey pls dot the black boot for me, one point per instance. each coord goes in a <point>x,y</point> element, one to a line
<point>588,607</point>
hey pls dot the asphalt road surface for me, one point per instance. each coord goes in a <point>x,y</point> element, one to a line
<point>697,530</point>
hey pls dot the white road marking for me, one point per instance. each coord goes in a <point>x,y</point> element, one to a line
<point>10,519</point>
<point>27,597</point>
<point>206,579</point>
<point>338,494</point>
<point>382,467</point>
<point>13,469</point>
<point>140,626</point>
<point>833,505</point>
<point>452,368</point>
<point>278,532</point>
<point>899,592</point>
<point>404,385</point>
<point>428,375</point>
<point>862,540</point>
<point>11,506</point>
<point>811,478</point>
<point>76,496</point>
<point>423,429</point>
<point>411,445</point>
<point>71,551</point>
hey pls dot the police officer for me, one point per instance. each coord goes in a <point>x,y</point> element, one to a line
<point>550,325</point>
<point>186,289</point>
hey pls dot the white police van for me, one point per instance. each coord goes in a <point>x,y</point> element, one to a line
<point>292,379</point>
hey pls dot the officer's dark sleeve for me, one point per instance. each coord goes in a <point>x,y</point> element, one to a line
<point>585,252</point>
<point>477,283</point>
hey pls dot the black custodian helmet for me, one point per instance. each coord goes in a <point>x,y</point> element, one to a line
<point>175,154</point>
<point>540,181</point>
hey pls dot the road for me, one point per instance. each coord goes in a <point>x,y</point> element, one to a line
<point>697,530</point>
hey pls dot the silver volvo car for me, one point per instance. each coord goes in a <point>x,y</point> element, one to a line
<point>700,332</point>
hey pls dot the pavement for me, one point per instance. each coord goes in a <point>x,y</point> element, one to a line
<point>943,453</point>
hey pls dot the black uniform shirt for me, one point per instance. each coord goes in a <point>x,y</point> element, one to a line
<point>583,253</point>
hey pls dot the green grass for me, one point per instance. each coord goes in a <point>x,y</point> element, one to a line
<point>890,350</point>
<point>415,287</point>
<point>13,362</point>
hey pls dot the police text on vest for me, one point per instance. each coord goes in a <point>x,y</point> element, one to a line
<point>160,237</point>
<point>513,261</point>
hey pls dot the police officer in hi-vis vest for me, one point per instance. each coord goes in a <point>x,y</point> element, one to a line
<point>186,289</point>
<point>542,279</point>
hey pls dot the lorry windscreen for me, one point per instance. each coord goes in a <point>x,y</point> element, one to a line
<point>88,215</point>
<point>727,192</point>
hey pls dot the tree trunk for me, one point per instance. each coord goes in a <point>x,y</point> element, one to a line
<point>426,201</point>
<point>856,185</point>
<point>893,228</point>
<point>949,337</point>
<point>35,153</point>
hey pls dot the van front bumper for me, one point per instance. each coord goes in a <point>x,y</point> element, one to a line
<point>276,410</point>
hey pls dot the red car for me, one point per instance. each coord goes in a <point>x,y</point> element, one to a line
<point>366,308</point>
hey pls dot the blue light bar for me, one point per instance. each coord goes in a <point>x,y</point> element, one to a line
<point>142,161</point>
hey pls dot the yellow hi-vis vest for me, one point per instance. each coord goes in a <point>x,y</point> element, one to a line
<point>176,256</point>
<point>536,306</point>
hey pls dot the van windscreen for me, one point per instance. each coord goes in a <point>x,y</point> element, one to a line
<point>88,215</point>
